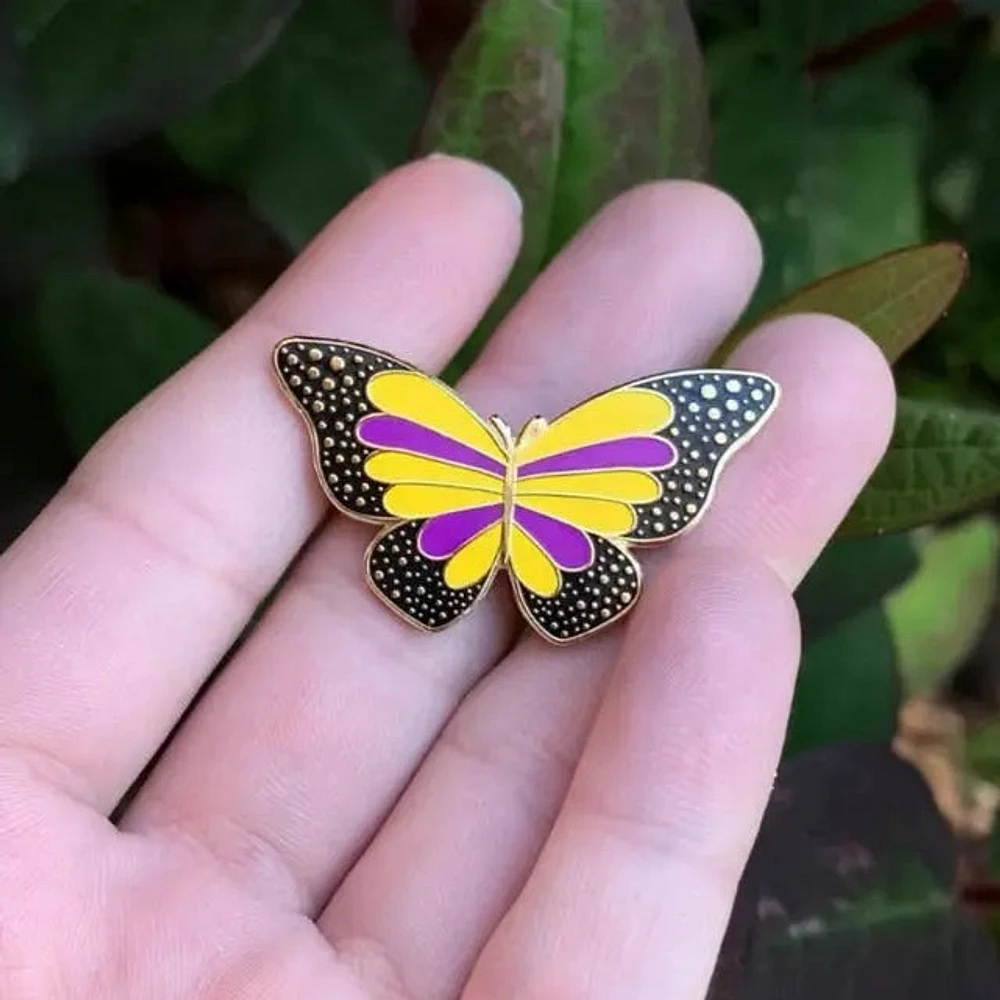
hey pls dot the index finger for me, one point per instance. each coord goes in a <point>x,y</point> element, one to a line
<point>139,575</point>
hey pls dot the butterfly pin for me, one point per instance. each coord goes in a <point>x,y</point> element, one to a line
<point>558,505</point>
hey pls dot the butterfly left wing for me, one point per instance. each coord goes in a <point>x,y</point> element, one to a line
<point>637,464</point>
<point>392,444</point>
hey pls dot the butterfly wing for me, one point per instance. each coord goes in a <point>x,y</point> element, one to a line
<point>433,592</point>
<point>715,413</point>
<point>637,464</point>
<point>562,596</point>
<point>391,444</point>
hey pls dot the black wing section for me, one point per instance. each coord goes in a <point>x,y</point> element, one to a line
<point>326,380</point>
<point>715,413</point>
<point>413,585</point>
<point>588,599</point>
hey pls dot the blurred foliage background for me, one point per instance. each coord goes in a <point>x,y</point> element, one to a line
<point>161,163</point>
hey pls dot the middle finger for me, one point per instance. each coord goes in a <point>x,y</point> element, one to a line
<point>295,756</point>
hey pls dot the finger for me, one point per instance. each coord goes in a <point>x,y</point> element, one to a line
<point>632,892</point>
<point>317,725</point>
<point>140,573</point>
<point>496,778</point>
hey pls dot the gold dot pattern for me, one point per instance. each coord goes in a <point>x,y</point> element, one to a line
<point>588,599</point>
<point>414,584</point>
<point>714,413</point>
<point>328,379</point>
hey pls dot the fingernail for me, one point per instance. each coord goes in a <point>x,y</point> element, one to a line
<point>486,168</point>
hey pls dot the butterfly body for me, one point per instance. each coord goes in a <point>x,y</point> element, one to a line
<point>557,506</point>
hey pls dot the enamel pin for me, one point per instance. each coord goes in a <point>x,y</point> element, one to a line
<point>559,505</point>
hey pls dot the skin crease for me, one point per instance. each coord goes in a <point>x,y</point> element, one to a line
<point>356,811</point>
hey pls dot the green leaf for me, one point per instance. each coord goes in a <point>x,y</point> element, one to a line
<point>52,215</point>
<point>805,25</point>
<point>847,687</point>
<point>943,459</point>
<point>830,181</point>
<point>109,342</point>
<point>895,298</point>
<point>850,575</point>
<point>573,101</point>
<point>938,615</point>
<point>335,104</point>
<point>92,72</point>
<point>964,149</point>
<point>850,891</point>
<point>982,751</point>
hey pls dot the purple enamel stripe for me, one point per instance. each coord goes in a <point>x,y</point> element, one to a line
<point>624,453</point>
<point>380,430</point>
<point>444,534</point>
<point>568,547</point>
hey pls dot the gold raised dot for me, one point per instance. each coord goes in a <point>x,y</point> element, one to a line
<point>337,363</point>
<point>348,380</point>
<point>318,406</point>
<point>328,442</point>
<point>328,383</point>
<point>293,359</point>
<point>721,438</point>
<point>295,381</point>
<point>659,526</point>
<point>315,354</point>
<point>312,371</point>
<point>691,508</point>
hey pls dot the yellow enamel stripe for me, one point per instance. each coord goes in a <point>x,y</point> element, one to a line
<point>432,404</point>
<point>631,486</point>
<point>424,500</point>
<point>616,414</point>
<point>474,560</point>
<point>603,517</point>
<point>531,565</point>
<point>402,467</point>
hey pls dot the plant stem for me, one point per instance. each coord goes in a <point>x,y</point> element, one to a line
<point>926,16</point>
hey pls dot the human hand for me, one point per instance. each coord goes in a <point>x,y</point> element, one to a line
<point>355,810</point>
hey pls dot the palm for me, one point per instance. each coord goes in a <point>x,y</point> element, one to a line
<point>356,810</point>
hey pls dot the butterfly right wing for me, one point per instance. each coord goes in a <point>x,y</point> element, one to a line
<point>569,583</point>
